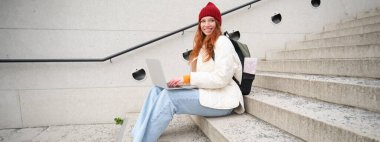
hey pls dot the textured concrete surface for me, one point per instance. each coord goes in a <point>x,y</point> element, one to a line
<point>358,92</point>
<point>326,74</point>
<point>242,128</point>
<point>370,13</point>
<point>10,116</point>
<point>344,32</point>
<point>363,29</point>
<point>45,107</point>
<point>375,18</point>
<point>181,129</point>
<point>338,67</point>
<point>358,39</point>
<point>74,133</point>
<point>313,120</point>
<point>338,52</point>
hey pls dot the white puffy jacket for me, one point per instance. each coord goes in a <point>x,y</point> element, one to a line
<point>217,89</point>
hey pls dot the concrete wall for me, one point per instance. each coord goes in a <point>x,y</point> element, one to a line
<point>40,94</point>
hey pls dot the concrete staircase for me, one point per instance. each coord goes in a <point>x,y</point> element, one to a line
<point>325,88</point>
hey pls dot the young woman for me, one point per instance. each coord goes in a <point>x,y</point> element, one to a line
<point>217,93</point>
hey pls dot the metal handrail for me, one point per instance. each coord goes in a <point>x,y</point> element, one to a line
<point>124,51</point>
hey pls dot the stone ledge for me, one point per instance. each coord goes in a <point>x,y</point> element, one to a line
<point>353,23</point>
<point>336,52</point>
<point>344,32</point>
<point>322,78</point>
<point>370,13</point>
<point>313,120</point>
<point>241,128</point>
<point>181,129</point>
<point>347,40</point>
<point>367,67</point>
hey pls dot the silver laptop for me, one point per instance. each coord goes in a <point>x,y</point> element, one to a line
<point>157,75</point>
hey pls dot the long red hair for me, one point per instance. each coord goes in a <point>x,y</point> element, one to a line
<point>201,39</point>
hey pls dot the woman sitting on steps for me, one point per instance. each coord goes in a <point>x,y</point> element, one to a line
<point>217,93</point>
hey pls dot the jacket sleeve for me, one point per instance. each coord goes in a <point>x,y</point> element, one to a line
<point>223,68</point>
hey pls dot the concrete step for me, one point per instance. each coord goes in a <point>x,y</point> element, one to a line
<point>338,52</point>
<point>181,129</point>
<point>349,40</point>
<point>241,128</point>
<point>353,23</point>
<point>63,133</point>
<point>344,32</point>
<point>358,92</point>
<point>373,12</point>
<point>313,120</point>
<point>337,67</point>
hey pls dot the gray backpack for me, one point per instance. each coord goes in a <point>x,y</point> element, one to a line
<point>243,52</point>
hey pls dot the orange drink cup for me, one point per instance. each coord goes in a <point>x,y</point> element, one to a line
<point>186,79</point>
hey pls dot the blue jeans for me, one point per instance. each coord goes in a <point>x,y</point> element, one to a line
<point>159,108</point>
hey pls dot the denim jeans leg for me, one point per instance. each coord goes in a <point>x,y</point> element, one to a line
<point>160,118</point>
<point>147,108</point>
<point>168,103</point>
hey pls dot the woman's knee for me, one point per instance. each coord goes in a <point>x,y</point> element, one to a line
<point>166,95</point>
<point>155,90</point>
<point>172,94</point>
<point>165,92</point>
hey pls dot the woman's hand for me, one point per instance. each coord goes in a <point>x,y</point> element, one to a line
<point>175,82</point>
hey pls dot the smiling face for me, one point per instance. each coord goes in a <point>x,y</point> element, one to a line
<point>208,25</point>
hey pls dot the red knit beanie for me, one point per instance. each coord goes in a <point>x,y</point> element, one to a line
<point>210,10</point>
